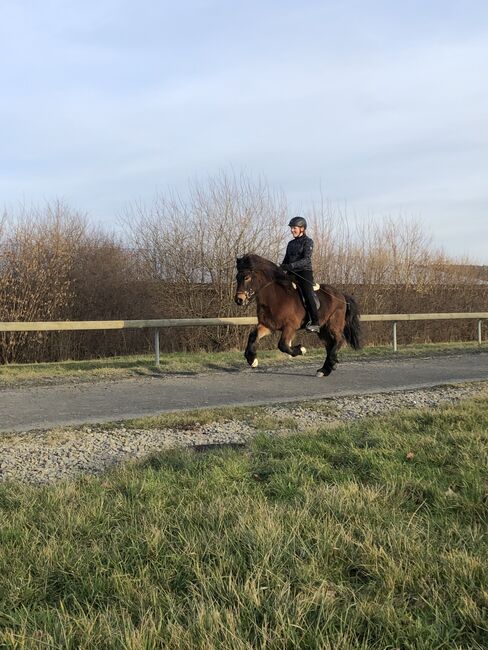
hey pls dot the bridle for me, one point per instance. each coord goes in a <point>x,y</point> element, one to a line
<point>251,294</point>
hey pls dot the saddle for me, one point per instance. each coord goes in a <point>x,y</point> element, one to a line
<point>316,287</point>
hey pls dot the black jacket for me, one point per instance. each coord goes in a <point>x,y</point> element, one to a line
<point>299,254</point>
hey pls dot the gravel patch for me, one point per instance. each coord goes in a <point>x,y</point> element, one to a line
<point>46,457</point>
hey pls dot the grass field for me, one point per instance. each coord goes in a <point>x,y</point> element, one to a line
<point>195,362</point>
<point>366,535</point>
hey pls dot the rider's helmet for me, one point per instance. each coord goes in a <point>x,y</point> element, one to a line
<point>298,221</point>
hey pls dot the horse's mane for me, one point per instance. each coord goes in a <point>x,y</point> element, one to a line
<point>270,270</point>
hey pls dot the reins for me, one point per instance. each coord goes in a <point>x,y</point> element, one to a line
<point>255,293</point>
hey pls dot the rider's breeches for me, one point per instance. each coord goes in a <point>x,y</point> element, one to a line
<point>305,281</point>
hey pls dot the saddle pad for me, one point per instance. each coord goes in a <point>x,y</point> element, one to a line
<point>316,287</point>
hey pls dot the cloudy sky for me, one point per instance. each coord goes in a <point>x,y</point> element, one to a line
<point>380,105</point>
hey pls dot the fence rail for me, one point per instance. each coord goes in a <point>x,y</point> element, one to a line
<point>157,324</point>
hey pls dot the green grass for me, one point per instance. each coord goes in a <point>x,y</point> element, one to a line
<point>334,539</point>
<point>197,362</point>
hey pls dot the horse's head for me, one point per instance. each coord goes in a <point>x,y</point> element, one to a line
<point>244,278</point>
<point>255,273</point>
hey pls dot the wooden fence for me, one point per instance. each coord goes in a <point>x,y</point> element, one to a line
<point>158,324</point>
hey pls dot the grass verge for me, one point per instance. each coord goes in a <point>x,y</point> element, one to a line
<point>369,535</point>
<point>198,362</point>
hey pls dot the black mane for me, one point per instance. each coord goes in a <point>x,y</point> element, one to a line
<point>270,270</point>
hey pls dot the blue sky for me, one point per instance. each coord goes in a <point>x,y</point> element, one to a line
<point>380,105</point>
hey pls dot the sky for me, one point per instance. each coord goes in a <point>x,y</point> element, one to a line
<point>380,106</point>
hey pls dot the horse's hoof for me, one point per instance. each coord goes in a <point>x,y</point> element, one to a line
<point>324,372</point>
<point>255,363</point>
<point>303,350</point>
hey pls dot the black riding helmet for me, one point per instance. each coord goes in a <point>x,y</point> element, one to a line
<point>298,221</point>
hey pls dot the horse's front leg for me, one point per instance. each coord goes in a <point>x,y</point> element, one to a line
<point>286,340</point>
<point>252,343</point>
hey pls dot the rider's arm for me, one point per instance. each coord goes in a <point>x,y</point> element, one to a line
<point>285,259</point>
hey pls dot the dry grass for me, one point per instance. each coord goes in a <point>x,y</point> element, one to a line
<point>371,535</point>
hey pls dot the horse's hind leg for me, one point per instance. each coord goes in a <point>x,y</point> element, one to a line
<point>285,343</point>
<point>252,343</point>
<point>333,344</point>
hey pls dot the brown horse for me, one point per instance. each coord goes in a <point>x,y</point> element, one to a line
<point>280,308</point>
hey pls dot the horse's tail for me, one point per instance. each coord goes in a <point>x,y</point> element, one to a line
<point>352,328</point>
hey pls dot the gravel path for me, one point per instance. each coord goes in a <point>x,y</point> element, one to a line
<point>48,456</point>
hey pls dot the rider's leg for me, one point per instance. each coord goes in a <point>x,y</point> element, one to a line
<point>306,285</point>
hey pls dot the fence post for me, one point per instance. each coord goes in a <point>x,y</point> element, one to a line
<point>394,337</point>
<point>479,332</point>
<point>156,345</point>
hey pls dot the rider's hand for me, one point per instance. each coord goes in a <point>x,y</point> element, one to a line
<point>285,267</point>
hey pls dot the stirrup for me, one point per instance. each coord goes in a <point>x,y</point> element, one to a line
<point>312,327</point>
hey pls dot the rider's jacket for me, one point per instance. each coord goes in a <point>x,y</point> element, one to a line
<point>299,254</point>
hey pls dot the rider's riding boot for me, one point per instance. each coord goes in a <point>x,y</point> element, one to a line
<point>313,324</point>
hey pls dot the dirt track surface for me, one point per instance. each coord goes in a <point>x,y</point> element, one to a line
<point>42,407</point>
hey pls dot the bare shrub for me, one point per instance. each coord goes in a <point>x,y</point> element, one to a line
<point>55,266</point>
<point>106,285</point>
<point>392,266</point>
<point>34,271</point>
<point>177,260</point>
<point>190,244</point>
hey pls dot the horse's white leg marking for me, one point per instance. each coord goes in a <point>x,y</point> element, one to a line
<point>262,331</point>
<point>319,373</point>
<point>303,350</point>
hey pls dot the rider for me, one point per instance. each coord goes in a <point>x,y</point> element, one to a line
<point>298,261</point>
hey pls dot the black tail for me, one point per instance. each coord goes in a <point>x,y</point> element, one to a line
<point>352,328</point>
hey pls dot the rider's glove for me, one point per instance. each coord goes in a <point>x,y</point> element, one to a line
<point>285,267</point>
